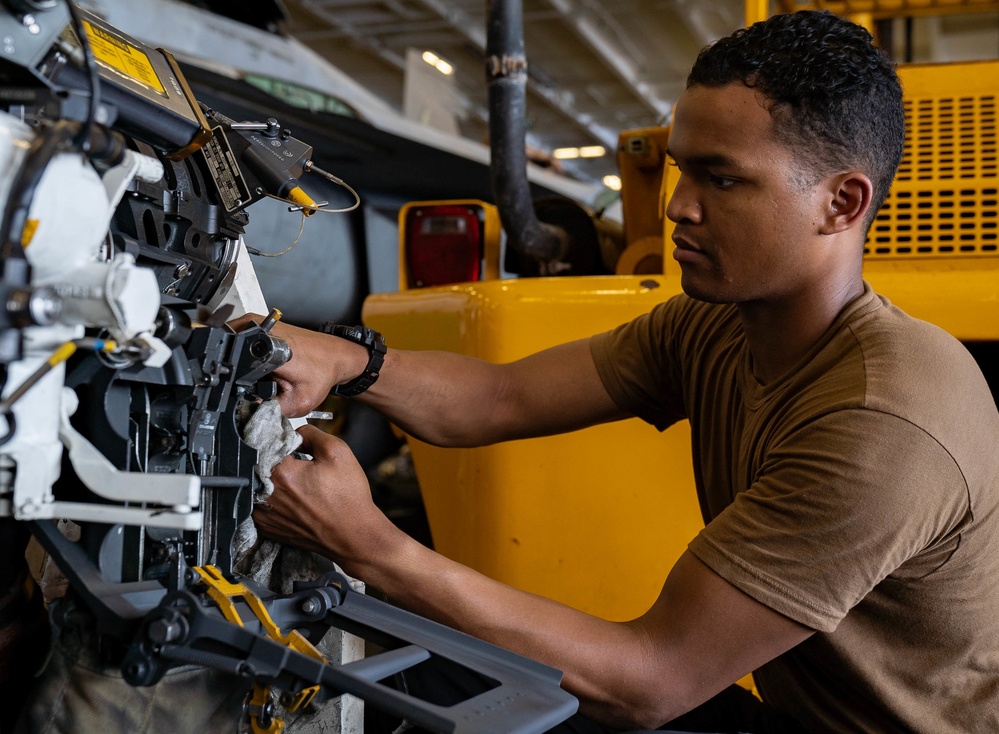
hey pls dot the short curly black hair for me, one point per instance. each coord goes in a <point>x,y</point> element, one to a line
<point>836,99</point>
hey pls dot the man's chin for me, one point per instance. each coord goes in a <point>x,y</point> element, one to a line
<point>700,292</point>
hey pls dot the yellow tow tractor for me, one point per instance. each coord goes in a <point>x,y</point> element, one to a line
<point>595,519</point>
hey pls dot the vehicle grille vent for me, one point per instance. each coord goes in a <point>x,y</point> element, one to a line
<point>943,201</point>
<point>899,8</point>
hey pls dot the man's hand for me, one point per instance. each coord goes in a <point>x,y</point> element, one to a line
<point>318,362</point>
<point>323,505</point>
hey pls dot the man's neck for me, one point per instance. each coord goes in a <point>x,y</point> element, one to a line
<point>780,332</point>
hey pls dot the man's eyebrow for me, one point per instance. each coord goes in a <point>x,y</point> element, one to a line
<point>708,159</point>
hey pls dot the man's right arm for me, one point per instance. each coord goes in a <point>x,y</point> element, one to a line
<point>451,399</point>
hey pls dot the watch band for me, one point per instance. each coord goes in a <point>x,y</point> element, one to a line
<point>375,344</point>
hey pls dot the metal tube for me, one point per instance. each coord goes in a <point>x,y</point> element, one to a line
<point>506,75</point>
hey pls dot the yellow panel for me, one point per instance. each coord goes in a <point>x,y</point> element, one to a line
<point>958,294</point>
<point>594,519</point>
<point>885,8</point>
<point>641,158</point>
<point>944,200</point>
<point>757,10</point>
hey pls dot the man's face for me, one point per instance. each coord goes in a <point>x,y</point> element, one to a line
<point>746,226</point>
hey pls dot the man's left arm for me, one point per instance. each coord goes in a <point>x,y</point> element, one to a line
<point>701,635</point>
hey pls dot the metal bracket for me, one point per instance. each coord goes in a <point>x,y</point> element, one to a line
<point>179,628</point>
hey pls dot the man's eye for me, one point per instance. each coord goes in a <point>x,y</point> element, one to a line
<point>722,182</point>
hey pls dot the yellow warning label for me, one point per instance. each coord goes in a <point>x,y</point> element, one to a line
<point>124,57</point>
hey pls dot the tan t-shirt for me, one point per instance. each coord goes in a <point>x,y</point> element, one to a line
<point>858,495</point>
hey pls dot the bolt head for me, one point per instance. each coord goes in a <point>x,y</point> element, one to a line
<point>161,631</point>
<point>310,606</point>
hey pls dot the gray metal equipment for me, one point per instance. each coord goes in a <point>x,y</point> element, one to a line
<point>124,391</point>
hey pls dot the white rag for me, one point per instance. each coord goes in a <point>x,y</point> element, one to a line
<point>274,437</point>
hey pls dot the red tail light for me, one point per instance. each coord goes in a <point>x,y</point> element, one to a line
<point>443,244</point>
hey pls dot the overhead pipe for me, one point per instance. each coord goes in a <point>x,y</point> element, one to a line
<point>506,75</point>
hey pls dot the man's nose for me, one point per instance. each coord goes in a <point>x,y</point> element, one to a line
<point>683,205</point>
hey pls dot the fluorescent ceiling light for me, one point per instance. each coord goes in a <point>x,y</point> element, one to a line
<point>438,63</point>
<point>587,151</point>
<point>565,153</point>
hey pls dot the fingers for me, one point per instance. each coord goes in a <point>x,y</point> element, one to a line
<point>319,443</point>
<point>321,504</point>
<point>307,494</point>
<point>241,322</point>
<point>293,403</point>
<point>290,400</point>
<point>325,449</point>
<point>286,519</point>
<point>305,380</point>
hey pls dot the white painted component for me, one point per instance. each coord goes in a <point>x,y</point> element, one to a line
<point>243,294</point>
<point>69,213</point>
<point>118,295</point>
<point>85,512</point>
<point>134,166</point>
<point>35,451</point>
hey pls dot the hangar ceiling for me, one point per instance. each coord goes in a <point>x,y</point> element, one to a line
<point>595,66</point>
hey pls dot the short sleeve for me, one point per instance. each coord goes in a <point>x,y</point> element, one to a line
<point>638,365</point>
<point>839,505</point>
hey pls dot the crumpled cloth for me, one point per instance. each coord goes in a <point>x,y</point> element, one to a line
<point>274,437</point>
<point>266,562</point>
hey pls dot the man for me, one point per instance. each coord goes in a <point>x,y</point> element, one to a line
<point>844,452</point>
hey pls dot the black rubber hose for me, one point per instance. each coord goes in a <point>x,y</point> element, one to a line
<point>506,75</point>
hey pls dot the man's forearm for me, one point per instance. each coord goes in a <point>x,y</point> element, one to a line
<point>442,398</point>
<point>451,399</point>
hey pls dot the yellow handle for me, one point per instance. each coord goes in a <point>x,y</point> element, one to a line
<point>309,206</point>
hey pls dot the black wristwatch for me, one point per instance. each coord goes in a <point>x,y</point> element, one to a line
<point>366,337</point>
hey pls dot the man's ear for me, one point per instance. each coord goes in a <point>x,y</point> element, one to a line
<point>850,198</point>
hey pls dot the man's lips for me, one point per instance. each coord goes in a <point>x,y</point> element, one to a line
<point>683,243</point>
<point>686,251</point>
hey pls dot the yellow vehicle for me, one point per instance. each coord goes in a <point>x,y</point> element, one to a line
<point>595,519</point>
